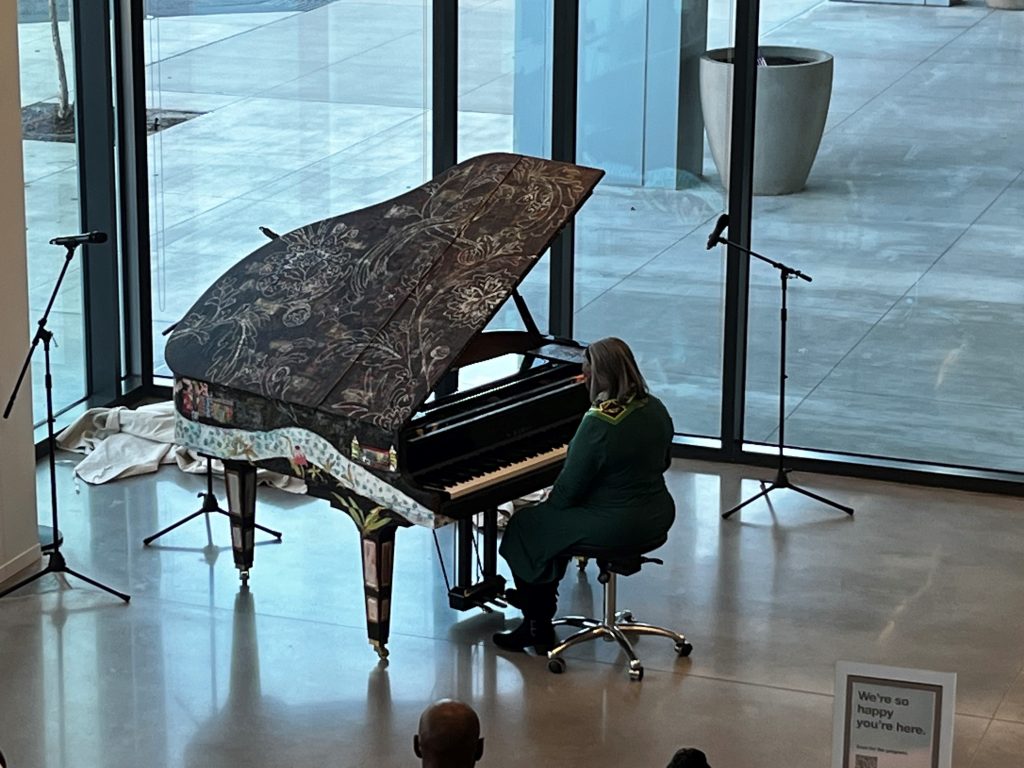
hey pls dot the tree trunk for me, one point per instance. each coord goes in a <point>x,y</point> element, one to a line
<point>63,104</point>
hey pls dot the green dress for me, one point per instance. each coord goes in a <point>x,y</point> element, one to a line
<point>611,490</point>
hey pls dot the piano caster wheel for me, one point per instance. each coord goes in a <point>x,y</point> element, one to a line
<point>683,649</point>
<point>382,652</point>
<point>581,563</point>
<point>556,665</point>
<point>244,576</point>
<point>636,671</point>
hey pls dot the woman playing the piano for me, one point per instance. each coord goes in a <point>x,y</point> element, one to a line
<point>611,491</point>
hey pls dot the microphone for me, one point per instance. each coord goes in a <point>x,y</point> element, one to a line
<point>86,237</point>
<point>269,233</point>
<point>720,226</point>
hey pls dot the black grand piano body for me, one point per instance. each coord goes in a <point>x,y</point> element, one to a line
<point>326,354</point>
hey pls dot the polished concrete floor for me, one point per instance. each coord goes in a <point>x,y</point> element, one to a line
<point>196,671</point>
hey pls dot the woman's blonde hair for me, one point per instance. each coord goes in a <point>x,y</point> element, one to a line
<point>613,372</point>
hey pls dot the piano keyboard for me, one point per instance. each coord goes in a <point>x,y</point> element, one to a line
<point>508,472</point>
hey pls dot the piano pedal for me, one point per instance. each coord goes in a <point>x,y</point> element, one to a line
<point>479,595</point>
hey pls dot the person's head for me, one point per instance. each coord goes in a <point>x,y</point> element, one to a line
<point>612,372</point>
<point>688,757</point>
<point>449,735</point>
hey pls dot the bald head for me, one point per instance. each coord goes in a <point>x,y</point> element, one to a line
<point>449,735</point>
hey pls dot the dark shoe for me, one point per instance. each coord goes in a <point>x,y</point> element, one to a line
<point>541,636</point>
<point>517,640</point>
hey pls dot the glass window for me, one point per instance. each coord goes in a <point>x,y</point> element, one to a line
<point>51,195</point>
<point>908,343</point>
<point>274,114</point>
<point>504,106</point>
<point>642,271</point>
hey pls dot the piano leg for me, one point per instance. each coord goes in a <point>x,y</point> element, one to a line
<point>378,549</point>
<point>240,480</point>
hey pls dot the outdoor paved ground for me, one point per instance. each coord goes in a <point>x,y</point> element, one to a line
<point>908,343</point>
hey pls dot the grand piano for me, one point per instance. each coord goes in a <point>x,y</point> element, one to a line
<point>333,353</point>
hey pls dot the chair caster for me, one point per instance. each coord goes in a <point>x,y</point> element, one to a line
<point>556,665</point>
<point>636,671</point>
<point>627,616</point>
<point>683,649</point>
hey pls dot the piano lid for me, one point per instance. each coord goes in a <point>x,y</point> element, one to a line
<point>361,315</point>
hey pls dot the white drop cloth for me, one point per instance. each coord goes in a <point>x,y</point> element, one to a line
<point>121,442</point>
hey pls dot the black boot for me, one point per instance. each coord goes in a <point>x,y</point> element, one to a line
<point>519,639</point>
<point>537,602</point>
<point>544,602</point>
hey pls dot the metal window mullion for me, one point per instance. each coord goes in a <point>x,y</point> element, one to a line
<point>737,277</point>
<point>564,66</point>
<point>94,123</point>
<point>445,85</point>
<point>130,82</point>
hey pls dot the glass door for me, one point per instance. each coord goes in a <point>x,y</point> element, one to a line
<point>47,66</point>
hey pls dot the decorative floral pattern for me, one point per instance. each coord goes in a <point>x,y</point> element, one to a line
<point>311,457</point>
<point>474,303</point>
<point>361,315</point>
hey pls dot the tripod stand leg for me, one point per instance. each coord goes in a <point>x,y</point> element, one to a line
<point>763,492</point>
<point>171,527</point>
<point>27,580</point>
<point>276,534</point>
<point>95,583</point>
<point>57,566</point>
<point>822,499</point>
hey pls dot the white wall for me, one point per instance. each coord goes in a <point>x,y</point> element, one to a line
<point>19,544</point>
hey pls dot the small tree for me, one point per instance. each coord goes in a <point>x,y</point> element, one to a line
<point>63,99</point>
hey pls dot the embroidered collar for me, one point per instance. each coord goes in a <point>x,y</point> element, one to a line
<point>614,411</point>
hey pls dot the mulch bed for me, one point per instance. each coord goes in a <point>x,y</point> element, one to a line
<point>39,122</point>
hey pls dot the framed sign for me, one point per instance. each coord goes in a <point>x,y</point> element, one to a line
<point>889,717</point>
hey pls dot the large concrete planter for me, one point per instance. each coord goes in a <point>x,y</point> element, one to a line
<point>793,94</point>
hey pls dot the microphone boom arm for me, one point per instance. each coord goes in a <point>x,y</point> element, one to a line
<point>787,271</point>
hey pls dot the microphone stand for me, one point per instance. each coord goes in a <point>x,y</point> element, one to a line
<point>209,505</point>
<point>782,474</point>
<point>56,562</point>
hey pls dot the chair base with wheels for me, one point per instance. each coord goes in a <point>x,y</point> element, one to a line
<point>616,625</point>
